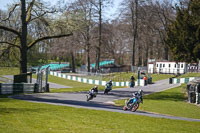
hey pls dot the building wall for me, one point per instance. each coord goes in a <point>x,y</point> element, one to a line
<point>167,67</point>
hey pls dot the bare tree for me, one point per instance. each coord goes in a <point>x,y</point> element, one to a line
<point>34,11</point>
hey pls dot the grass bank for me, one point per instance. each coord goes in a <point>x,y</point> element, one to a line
<point>25,117</point>
<point>170,102</point>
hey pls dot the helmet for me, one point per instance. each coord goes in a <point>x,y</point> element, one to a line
<point>133,95</point>
<point>140,92</point>
<point>95,87</point>
<point>110,81</point>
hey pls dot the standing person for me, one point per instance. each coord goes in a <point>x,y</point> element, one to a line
<point>145,80</point>
<point>132,83</point>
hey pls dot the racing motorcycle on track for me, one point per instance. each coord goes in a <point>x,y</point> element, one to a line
<point>92,93</point>
<point>134,102</point>
<point>108,87</point>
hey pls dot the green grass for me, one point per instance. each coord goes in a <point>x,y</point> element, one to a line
<point>9,70</point>
<point>189,75</point>
<point>77,86</point>
<point>25,117</point>
<point>125,76</point>
<point>157,77</point>
<point>170,102</point>
<point>119,76</point>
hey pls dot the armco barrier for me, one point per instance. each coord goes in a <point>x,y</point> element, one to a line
<point>180,80</point>
<point>139,82</point>
<point>7,88</point>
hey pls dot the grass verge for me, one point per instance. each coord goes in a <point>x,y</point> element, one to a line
<point>25,117</point>
<point>189,75</point>
<point>9,70</point>
<point>76,86</point>
<point>170,102</point>
<point>126,76</point>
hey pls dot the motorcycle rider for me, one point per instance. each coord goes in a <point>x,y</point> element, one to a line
<point>94,91</point>
<point>139,95</point>
<point>110,84</point>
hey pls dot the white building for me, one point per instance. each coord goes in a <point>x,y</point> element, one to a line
<point>167,67</point>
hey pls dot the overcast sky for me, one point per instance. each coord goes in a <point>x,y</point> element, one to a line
<point>111,13</point>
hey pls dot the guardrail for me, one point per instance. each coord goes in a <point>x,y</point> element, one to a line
<point>180,80</point>
<point>11,88</point>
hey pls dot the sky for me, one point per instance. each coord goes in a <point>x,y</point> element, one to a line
<point>109,14</point>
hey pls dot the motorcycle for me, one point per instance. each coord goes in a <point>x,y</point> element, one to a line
<point>108,88</point>
<point>90,95</point>
<point>134,102</point>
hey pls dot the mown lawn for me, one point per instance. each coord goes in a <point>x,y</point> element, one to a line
<point>157,77</point>
<point>9,70</point>
<point>189,75</point>
<point>76,86</point>
<point>25,117</point>
<point>170,102</point>
<point>126,76</point>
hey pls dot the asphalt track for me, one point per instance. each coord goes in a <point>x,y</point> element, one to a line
<point>102,101</point>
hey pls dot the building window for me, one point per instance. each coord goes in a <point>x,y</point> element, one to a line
<point>160,65</point>
<point>163,65</point>
<point>169,65</point>
<point>175,65</point>
<point>181,65</point>
<point>157,65</point>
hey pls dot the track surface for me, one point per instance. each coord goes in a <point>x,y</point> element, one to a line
<point>103,102</point>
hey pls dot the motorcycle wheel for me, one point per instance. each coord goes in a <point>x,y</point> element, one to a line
<point>135,107</point>
<point>89,98</point>
<point>125,108</point>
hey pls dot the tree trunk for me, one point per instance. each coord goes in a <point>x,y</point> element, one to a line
<point>88,57</point>
<point>23,39</point>
<point>73,62</point>
<point>166,51</point>
<point>99,47</point>
<point>134,23</point>
<point>147,55</point>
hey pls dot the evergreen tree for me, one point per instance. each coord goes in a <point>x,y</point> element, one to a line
<point>183,34</point>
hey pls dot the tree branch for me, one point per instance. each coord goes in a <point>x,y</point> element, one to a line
<point>29,11</point>
<point>11,44</point>
<point>10,30</point>
<point>10,13</point>
<point>5,51</point>
<point>46,38</point>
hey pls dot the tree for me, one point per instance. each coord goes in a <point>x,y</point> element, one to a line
<point>86,11</point>
<point>183,34</point>
<point>34,11</point>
